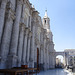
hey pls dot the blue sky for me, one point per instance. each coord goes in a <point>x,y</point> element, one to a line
<point>62,21</point>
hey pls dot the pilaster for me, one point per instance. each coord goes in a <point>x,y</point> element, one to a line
<point>25,46</point>
<point>2,16</point>
<point>20,44</point>
<point>28,50</point>
<point>33,45</point>
<point>7,35</point>
<point>15,34</point>
<point>23,12</point>
<point>44,54</point>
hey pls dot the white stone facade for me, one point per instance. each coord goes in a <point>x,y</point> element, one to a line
<point>70,58</point>
<point>22,33</point>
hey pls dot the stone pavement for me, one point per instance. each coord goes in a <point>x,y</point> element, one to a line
<point>55,72</point>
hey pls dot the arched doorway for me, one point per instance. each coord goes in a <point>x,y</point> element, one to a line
<point>38,59</point>
<point>59,61</point>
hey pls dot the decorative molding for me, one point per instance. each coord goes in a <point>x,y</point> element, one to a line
<point>10,12</point>
<point>30,34</point>
<point>19,2</point>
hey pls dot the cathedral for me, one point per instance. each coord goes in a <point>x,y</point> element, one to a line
<point>25,38</point>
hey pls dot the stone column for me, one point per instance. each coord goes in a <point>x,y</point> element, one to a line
<point>53,60</point>
<point>47,57</point>
<point>30,23</point>
<point>22,33</point>
<point>28,50</point>
<point>46,65</point>
<point>23,13</point>
<point>6,37</point>
<point>20,45</point>
<point>44,54</point>
<point>33,45</point>
<point>25,47</point>
<point>2,14</point>
<point>15,34</point>
<point>49,60</point>
<point>41,57</point>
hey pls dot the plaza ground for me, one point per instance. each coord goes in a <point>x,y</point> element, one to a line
<point>56,72</point>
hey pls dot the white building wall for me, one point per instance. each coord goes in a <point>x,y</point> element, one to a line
<point>23,33</point>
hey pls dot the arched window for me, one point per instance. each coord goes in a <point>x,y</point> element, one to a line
<point>45,21</point>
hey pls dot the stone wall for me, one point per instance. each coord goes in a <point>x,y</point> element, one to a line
<point>21,33</point>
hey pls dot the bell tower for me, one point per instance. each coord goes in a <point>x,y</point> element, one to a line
<point>46,25</point>
<point>46,22</point>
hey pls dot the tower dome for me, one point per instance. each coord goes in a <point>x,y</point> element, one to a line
<point>46,16</point>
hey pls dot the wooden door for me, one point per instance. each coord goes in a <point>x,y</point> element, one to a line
<point>37,59</point>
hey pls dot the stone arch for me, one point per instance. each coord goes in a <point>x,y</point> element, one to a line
<point>60,53</point>
<point>60,57</point>
<point>59,63</point>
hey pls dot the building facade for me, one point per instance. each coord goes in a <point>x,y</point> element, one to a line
<point>24,38</point>
<point>70,58</point>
